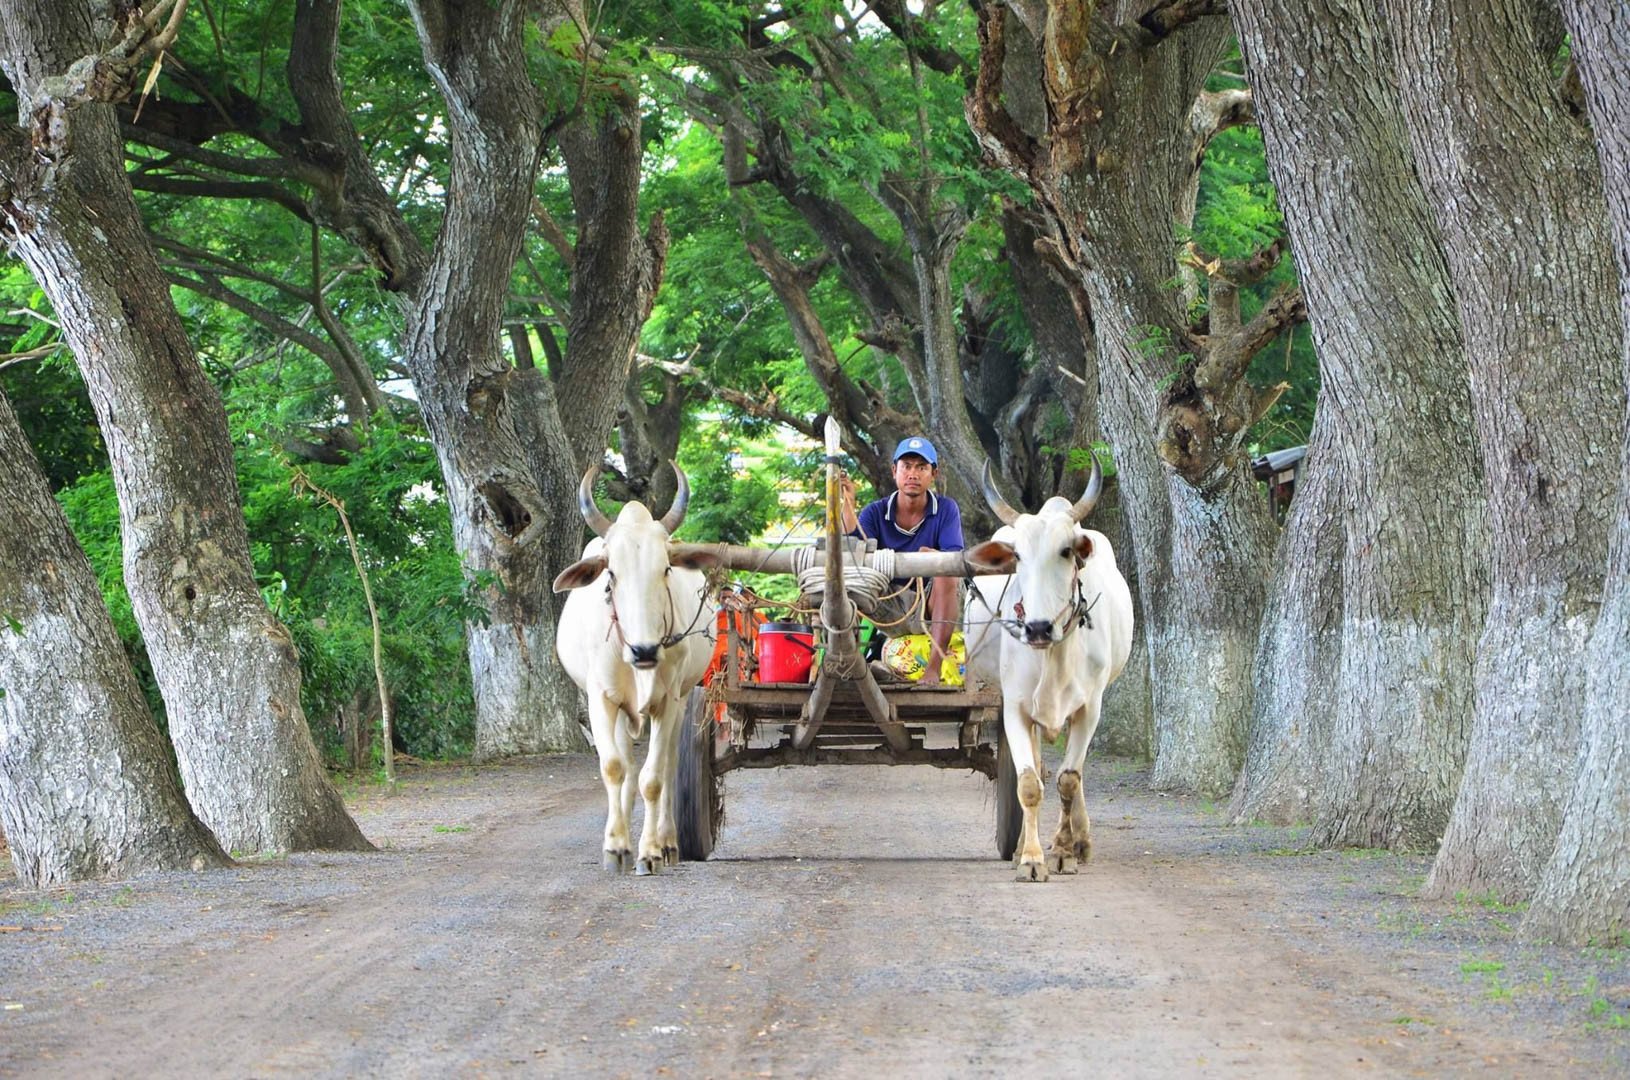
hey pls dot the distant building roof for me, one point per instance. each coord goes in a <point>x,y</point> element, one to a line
<point>1277,461</point>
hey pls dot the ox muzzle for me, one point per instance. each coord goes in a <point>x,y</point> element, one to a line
<point>1038,633</point>
<point>643,657</point>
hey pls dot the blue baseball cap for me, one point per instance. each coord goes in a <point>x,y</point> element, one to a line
<point>916,444</point>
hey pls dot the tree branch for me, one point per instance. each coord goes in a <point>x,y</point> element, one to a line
<point>553,233</point>
<point>223,189</point>
<point>207,284</point>
<point>1167,17</point>
<point>107,76</point>
<point>911,30</point>
<point>999,134</point>
<point>1215,112</point>
<point>271,168</point>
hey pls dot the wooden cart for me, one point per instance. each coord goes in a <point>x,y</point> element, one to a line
<point>845,716</point>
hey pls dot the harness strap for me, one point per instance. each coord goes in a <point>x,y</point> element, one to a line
<point>1077,608</point>
<point>668,640</point>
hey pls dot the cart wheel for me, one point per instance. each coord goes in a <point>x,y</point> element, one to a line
<point>1009,814</point>
<point>698,803</point>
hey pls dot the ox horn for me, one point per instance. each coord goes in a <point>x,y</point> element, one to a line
<point>592,514</point>
<point>998,505</point>
<point>1089,498</point>
<point>676,512</point>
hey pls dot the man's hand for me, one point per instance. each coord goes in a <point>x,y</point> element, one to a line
<point>846,503</point>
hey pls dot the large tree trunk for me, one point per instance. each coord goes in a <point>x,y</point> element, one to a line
<point>1583,893</point>
<point>1298,655</point>
<point>1113,171</point>
<point>227,669</point>
<point>1517,190</point>
<point>503,524</point>
<point>1126,722</point>
<point>86,785</point>
<point>549,717</point>
<point>615,273</point>
<point>1203,638</point>
<point>1367,588</point>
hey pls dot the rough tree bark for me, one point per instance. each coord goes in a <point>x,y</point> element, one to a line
<point>453,334</point>
<point>1112,170</point>
<point>227,669</point>
<point>86,785</point>
<point>649,431</point>
<point>1364,676</point>
<point>1516,187</point>
<point>1298,655</point>
<point>1583,894</point>
<point>615,272</point>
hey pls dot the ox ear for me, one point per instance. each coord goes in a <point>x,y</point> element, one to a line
<point>1083,546</point>
<point>580,573</point>
<point>693,556</point>
<point>994,555</point>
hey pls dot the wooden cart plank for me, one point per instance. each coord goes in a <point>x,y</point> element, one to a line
<point>980,759</point>
<point>904,698</point>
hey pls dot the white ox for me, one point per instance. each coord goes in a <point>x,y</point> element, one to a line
<point>1067,614</point>
<point>636,643</point>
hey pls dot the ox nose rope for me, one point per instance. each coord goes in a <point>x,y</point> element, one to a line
<point>1014,626</point>
<point>670,639</point>
<point>1077,609</point>
<point>611,602</point>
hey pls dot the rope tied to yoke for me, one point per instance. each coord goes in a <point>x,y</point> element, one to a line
<point>864,584</point>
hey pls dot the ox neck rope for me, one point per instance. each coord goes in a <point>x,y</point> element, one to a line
<point>1078,609</point>
<point>668,640</point>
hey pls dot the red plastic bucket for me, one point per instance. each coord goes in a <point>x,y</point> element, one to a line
<point>786,652</point>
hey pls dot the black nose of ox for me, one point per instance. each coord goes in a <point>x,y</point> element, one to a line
<point>644,656</point>
<point>1038,632</point>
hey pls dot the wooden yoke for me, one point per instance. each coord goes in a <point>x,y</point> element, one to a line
<point>907,564</point>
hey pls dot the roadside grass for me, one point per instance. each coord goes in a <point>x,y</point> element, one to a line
<point>1490,901</point>
<point>43,905</point>
<point>259,858</point>
<point>1401,920</point>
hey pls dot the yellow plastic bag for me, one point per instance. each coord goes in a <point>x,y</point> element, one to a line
<point>907,656</point>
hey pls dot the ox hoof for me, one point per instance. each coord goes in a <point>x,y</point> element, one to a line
<point>618,862</point>
<point>1031,871</point>
<point>1062,862</point>
<point>670,856</point>
<point>1083,850</point>
<point>648,865</point>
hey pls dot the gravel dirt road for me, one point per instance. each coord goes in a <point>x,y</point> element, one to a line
<point>854,921</point>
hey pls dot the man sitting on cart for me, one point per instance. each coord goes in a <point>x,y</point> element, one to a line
<point>914,518</point>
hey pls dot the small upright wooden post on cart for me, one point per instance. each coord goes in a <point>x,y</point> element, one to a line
<point>846,716</point>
